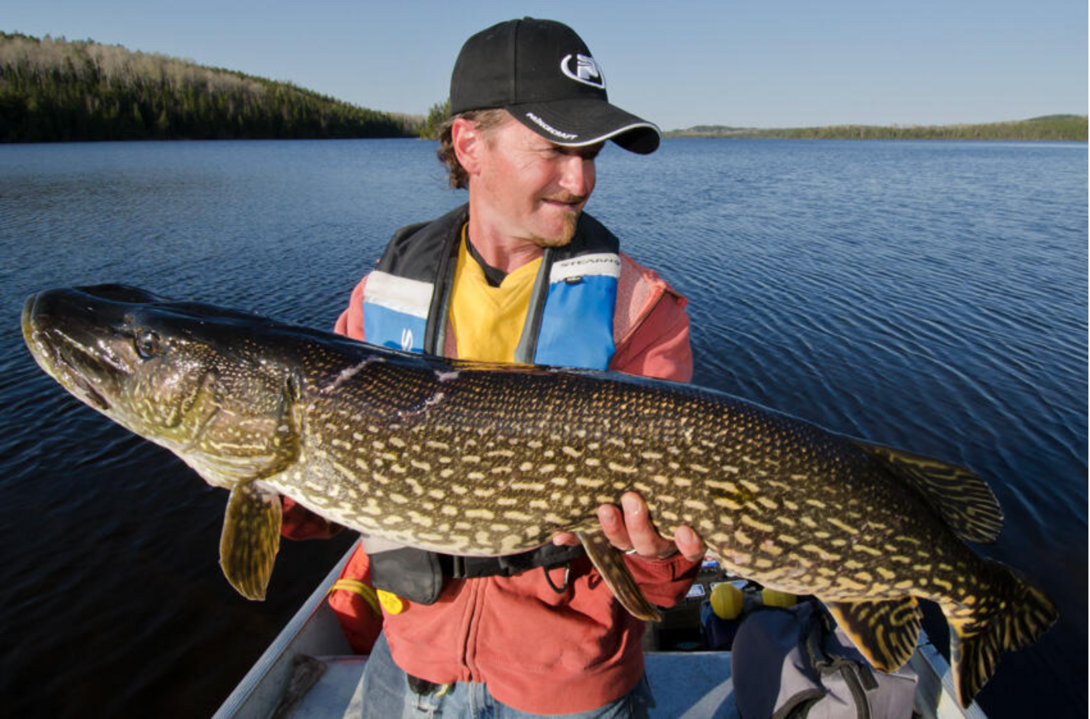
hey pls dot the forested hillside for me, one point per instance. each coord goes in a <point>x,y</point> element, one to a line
<point>59,90</point>
<point>1049,127</point>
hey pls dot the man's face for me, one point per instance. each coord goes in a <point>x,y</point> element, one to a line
<point>532,189</point>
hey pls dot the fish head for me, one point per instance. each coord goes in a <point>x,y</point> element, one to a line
<point>191,377</point>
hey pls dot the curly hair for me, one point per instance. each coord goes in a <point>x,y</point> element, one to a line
<point>485,121</point>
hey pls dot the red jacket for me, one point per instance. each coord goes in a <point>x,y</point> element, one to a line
<point>538,651</point>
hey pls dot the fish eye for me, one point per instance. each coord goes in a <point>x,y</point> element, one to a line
<point>146,344</point>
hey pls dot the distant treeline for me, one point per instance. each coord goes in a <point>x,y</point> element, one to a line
<point>58,90</point>
<point>1049,127</point>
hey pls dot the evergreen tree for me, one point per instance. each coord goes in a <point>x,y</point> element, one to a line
<point>437,115</point>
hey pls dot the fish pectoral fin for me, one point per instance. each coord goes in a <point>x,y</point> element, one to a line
<point>885,632</point>
<point>609,561</point>
<point>964,500</point>
<point>250,538</point>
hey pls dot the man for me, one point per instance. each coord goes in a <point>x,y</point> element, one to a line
<point>520,274</point>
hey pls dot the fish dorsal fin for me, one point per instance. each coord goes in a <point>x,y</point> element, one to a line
<point>886,632</point>
<point>609,561</point>
<point>963,499</point>
<point>250,538</point>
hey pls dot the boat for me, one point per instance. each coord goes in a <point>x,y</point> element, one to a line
<point>309,670</point>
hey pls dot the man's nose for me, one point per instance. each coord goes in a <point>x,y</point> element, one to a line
<point>578,175</point>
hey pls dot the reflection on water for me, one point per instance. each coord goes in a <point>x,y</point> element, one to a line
<point>931,296</point>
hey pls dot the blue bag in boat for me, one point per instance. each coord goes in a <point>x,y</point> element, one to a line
<point>793,663</point>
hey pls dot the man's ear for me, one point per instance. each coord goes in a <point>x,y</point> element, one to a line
<point>468,142</point>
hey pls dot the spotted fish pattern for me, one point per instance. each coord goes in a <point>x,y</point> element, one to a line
<point>488,460</point>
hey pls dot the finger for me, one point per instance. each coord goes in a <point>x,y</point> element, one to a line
<point>645,539</point>
<point>613,526</point>
<point>565,539</point>
<point>690,544</point>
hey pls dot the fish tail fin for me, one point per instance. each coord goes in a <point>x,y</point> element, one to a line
<point>1015,615</point>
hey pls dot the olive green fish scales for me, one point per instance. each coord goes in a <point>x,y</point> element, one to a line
<point>497,462</point>
<point>489,460</point>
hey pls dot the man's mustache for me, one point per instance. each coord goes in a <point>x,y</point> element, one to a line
<point>567,198</point>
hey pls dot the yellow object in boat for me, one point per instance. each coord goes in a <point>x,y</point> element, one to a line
<point>727,601</point>
<point>774,598</point>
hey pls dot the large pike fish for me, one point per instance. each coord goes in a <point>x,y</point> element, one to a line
<point>489,460</point>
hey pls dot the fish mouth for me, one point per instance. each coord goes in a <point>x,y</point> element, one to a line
<point>25,319</point>
<point>49,350</point>
<point>87,391</point>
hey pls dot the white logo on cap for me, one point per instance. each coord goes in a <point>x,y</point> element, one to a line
<point>549,128</point>
<point>586,70</point>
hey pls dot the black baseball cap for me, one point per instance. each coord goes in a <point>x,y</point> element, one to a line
<point>543,74</point>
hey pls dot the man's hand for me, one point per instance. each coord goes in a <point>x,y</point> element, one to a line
<point>629,527</point>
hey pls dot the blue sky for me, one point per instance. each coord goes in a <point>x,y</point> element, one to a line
<point>762,63</point>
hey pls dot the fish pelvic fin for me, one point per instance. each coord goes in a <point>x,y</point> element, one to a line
<point>250,538</point>
<point>1014,615</point>
<point>885,632</point>
<point>964,500</point>
<point>609,561</point>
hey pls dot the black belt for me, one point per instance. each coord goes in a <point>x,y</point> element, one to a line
<point>548,556</point>
<point>419,575</point>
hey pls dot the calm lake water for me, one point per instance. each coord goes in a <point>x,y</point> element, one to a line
<point>927,295</point>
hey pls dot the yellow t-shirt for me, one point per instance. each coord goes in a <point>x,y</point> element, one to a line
<point>488,320</point>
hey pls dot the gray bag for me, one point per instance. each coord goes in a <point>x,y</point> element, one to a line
<point>791,663</point>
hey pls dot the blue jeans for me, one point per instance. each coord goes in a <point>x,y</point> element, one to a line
<point>384,693</point>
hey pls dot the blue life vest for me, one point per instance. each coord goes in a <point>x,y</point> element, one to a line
<point>569,322</point>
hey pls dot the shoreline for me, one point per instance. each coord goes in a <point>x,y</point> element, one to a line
<point>1063,128</point>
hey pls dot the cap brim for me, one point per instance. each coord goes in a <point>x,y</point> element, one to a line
<point>585,121</point>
